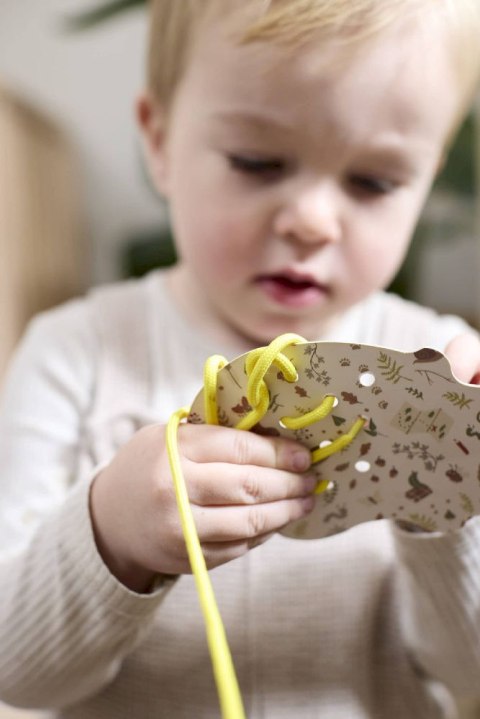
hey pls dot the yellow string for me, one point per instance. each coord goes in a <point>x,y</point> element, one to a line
<point>315,415</point>
<point>210,372</point>
<point>223,669</point>
<point>340,443</point>
<point>258,362</point>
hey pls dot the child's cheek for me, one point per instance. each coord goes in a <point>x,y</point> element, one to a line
<point>371,270</point>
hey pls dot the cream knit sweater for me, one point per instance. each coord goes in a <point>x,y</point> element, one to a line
<point>348,627</point>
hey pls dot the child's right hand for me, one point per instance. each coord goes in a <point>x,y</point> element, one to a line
<point>242,488</point>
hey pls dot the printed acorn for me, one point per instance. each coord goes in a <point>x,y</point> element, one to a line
<point>454,475</point>
<point>419,490</point>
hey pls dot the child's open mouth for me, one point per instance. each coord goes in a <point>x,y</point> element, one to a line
<point>292,291</point>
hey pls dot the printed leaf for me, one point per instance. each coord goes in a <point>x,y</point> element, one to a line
<point>467,503</point>
<point>266,431</point>
<point>350,398</point>
<point>414,392</point>
<point>243,407</point>
<point>389,368</point>
<point>458,400</point>
<point>371,429</point>
<point>426,523</point>
<point>365,449</point>
<point>301,391</point>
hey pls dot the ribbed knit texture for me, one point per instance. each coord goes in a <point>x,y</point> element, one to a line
<point>59,602</point>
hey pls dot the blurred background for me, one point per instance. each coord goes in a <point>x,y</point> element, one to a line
<point>76,208</point>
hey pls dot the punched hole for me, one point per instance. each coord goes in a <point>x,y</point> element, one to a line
<point>366,379</point>
<point>362,465</point>
<point>326,487</point>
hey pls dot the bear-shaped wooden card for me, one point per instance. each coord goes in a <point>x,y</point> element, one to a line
<point>416,456</point>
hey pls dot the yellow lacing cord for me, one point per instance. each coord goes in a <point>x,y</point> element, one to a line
<point>210,372</point>
<point>257,364</point>
<point>223,669</point>
<point>338,444</point>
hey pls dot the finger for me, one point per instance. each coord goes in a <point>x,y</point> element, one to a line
<point>463,353</point>
<point>227,484</point>
<point>205,443</point>
<point>229,524</point>
<point>216,553</point>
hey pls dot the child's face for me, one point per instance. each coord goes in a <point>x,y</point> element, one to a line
<point>295,182</point>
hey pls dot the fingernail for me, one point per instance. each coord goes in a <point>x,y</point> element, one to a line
<point>310,482</point>
<point>301,460</point>
<point>308,504</point>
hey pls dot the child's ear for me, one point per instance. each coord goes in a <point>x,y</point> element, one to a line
<point>151,119</point>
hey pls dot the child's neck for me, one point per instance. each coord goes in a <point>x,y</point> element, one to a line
<point>195,307</point>
<point>197,311</point>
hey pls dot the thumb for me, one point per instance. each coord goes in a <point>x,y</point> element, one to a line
<point>463,353</point>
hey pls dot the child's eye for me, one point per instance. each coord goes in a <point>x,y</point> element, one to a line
<point>372,185</point>
<point>260,167</point>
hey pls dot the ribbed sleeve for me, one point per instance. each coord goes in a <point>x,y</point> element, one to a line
<point>65,621</point>
<point>440,607</point>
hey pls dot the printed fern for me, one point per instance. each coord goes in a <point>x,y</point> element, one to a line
<point>458,400</point>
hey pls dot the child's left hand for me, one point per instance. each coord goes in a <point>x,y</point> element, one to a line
<point>463,353</point>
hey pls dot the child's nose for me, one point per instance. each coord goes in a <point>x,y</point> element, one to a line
<point>310,216</point>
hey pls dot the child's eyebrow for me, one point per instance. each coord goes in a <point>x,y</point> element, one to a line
<point>253,119</point>
<point>403,157</point>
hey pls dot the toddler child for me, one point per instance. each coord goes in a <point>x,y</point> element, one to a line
<point>296,142</point>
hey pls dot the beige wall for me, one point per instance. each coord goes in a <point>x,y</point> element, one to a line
<point>89,83</point>
<point>42,249</point>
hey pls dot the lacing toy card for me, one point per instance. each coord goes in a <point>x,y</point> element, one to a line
<point>396,435</point>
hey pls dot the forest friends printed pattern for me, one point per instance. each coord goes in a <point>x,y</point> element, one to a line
<point>417,458</point>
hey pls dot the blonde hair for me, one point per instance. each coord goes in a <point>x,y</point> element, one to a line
<point>293,22</point>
